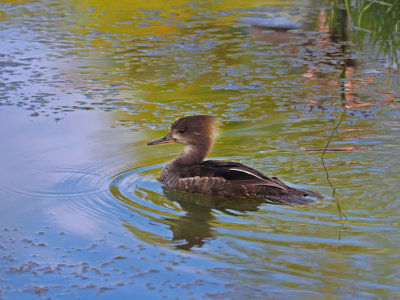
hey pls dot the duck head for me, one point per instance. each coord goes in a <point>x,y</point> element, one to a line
<point>197,130</point>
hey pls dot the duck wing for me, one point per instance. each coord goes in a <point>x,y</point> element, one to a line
<point>231,171</point>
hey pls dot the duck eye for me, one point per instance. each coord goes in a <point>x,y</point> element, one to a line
<point>181,130</point>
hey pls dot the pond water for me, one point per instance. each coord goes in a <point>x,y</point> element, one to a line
<point>84,85</point>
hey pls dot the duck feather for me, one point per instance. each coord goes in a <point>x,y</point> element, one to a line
<point>231,171</point>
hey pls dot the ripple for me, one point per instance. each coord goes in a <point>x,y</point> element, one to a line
<point>195,219</point>
<point>61,184</point>
<point>77,199</point>
<point>247,234</point>
<point>142,196</point>
<point>88,199</point>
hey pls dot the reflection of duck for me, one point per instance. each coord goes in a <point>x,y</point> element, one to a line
<point>194,228</point>
<point>189,172</point>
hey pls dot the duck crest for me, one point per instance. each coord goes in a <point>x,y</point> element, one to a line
<point>203,126</point>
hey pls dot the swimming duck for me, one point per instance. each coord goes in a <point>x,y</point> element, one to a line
<point>189,171</point>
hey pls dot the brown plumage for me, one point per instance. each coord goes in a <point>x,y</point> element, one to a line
<point>190,173</point>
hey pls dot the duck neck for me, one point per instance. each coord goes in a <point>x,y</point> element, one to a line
<point>192,155</point>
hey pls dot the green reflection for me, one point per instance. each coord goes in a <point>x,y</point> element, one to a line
<point>372,22</point>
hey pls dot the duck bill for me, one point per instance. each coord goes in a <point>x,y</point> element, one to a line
<point>164,140</point>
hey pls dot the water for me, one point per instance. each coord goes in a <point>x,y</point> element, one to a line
<point>84,86</point>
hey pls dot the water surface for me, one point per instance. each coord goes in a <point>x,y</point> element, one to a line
<point>85,84</point>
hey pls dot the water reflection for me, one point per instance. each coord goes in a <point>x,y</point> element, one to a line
<point>327,51</point>
<point>81,204</point>
<point>194,227</point>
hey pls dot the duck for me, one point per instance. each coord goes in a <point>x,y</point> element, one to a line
<point>190,172</point>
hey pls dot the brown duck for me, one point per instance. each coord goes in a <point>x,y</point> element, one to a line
<point>189,172</point>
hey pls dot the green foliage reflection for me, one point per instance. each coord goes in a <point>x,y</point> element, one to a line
<point>373,22</point>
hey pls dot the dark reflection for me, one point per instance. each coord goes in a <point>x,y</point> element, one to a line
<point>193,228</point>
<point>330,48</point>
